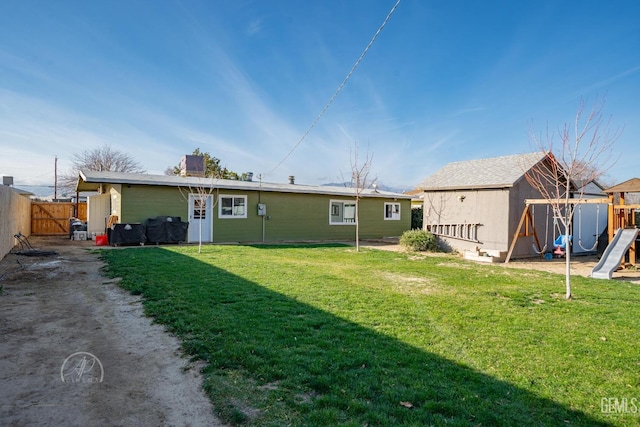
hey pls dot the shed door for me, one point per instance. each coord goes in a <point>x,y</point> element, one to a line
<point>98,210</point>
<point>200,218</point>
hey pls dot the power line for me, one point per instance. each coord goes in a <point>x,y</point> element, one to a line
<point>344,82</point>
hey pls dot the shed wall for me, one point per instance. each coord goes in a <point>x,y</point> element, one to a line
<point>487,208</point>
<point>542,217</point>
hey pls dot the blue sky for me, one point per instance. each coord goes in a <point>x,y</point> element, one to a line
<point>243,80</point>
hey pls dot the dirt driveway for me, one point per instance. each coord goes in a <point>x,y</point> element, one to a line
<point>77,350</point>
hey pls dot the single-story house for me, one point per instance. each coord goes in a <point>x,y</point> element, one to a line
<point>243,211</point>
<point>477,205</point>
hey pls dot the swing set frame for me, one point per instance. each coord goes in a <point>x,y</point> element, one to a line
<point>527,221</point>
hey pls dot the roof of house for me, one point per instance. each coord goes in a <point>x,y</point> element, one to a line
<point>23,192</point>
<point>91,180</point>
<point>629,186</point>
<point>496,172</point>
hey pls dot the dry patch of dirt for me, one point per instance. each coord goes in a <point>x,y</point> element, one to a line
<point>580,265</point>
<point>127,371</point>
<point>405,283</point>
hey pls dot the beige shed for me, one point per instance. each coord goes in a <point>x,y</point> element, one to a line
<point>475,206</point>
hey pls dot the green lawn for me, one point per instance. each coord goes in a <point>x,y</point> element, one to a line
<point>323,335</point>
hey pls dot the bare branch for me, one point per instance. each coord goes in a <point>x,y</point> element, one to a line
<point>585,154</point>
<point>360,181</point>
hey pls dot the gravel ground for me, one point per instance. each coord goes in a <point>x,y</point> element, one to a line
<point>129,371</point>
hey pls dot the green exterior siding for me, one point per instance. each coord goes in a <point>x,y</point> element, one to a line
<point>247,229</point>
<point>140,202</point>
<point>290,216</point>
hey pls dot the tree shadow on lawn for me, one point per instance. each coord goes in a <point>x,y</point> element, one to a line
<point>313,367</point>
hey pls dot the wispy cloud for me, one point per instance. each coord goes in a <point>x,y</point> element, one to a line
<point>608,81</point>
<point>468,110</point>
<point>254,27</point>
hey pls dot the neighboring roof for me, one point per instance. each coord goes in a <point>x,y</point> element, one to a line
<point>22,192</point>
<point>496,172</point>
<point>630,186</point>
<point>417,195</point>
<point>588,188</point>
<point>582,183</point>
<point>91,180</point>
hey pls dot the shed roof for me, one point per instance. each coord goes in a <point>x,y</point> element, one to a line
<point>91,180</point>
<point>496,172</point>
<point>630,186</point>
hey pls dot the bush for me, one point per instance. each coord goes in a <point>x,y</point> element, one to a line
<point>419,240</point>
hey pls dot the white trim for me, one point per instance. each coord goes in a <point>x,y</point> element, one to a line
<point>233,198</point>
<point>333,203</point>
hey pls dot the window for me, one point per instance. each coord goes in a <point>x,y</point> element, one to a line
<point>342,212</point>
<point>233,207</point>
<point>392,211</point>
<point>199,208</point>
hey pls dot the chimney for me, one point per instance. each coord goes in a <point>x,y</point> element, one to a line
<point>249,176</point>
<point>292,179</point>
<point>191,165</point>
<point>7,180</point>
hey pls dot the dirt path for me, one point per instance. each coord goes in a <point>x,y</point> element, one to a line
<point>59,305</point>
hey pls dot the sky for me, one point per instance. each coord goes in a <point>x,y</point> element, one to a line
<point>244,80</point>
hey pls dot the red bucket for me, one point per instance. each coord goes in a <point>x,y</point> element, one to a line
<point>102,240</point>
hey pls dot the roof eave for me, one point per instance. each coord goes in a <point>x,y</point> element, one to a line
<point>469,187</point>
<point>88,183</point>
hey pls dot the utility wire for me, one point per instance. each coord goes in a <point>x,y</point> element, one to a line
<point>344,82</point>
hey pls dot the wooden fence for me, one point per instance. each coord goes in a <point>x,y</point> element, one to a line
<point>52,218</point>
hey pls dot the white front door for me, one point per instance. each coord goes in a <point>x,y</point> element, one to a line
<point>200,218</point>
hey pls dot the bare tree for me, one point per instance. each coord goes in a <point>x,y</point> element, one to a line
<point>360,181</point>
<point>102,158</point>
<point>584,154</point>
<point>201,191</point>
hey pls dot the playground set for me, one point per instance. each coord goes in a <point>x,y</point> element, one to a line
<point>621,228</point>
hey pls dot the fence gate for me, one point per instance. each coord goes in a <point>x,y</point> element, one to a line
<point>52,218</point>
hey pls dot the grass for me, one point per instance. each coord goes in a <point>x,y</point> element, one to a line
<point>322,335</point>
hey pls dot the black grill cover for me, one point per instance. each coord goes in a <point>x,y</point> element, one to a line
<point>127,234</point>
<point>166,229</point>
